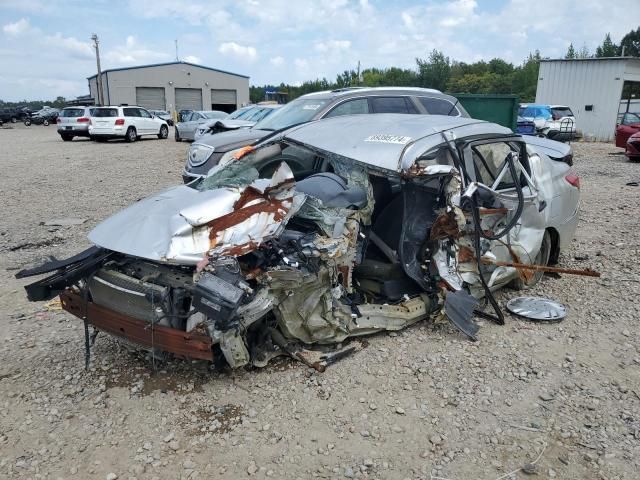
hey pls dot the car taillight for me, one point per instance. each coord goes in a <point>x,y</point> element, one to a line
<point>83,120</point>
<point>119,121</point>
<point>573,179</point>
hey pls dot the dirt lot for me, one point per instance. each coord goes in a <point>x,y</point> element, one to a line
<point>421,404</point>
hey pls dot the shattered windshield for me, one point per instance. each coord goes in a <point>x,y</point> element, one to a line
<point>298,111</point>
<point>233,174</point>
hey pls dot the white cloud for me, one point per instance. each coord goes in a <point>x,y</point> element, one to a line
<point>133,52</point>
<point>192,59</point>
<point>17,28</point>
<point>332,46</point>
<point>73,46</point>
<point>277,61</point>
<point>241,52</point>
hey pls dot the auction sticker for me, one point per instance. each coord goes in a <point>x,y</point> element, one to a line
<point>380,138</point>
<point>314,106</point>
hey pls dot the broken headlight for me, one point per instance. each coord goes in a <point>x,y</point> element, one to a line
<point>198,154</point>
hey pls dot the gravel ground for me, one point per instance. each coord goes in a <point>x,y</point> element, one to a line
<point>421,404</point>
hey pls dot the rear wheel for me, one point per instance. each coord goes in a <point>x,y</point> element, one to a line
<point>45,122</point>
<point>542,258</point>
<point>177,134</point>
<point>131,135</point>
<point>66,138</point>
<point>27,122</point>
<point>14,119</point>
<point>164,132</point>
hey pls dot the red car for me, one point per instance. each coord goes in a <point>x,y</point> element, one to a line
<point>629,125</point>
<point>632,148</point>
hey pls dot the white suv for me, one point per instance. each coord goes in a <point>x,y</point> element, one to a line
<point>128,122</point>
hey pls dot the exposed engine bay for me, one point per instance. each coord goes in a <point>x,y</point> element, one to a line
<point>307,247</point>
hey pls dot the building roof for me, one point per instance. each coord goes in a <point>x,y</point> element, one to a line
<point>593,59</point>
<point>168,63</point>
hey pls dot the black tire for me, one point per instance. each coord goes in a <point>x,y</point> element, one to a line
<point>131,135</point>
<point>14,119</point>
<point>544,254</point>
<point>27,122</point>
<point>66,138</point>
<point>45,122</point>
<point>164,132</point>
<point>176,134</point>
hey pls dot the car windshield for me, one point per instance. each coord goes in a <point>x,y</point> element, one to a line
<point>72,112</point>
<point>241,113</point>
<point>298,111</point>
<point>214,115</point>
<point>105,112</point>
<point>559,112</point>
<point>258,114</point>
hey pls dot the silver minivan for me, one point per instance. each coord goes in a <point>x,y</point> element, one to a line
<point>74,122</point>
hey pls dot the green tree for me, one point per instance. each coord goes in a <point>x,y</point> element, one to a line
<point>608,48</point>
<point>571,52</point>
<point>434,72</point>
<point>631,44</point>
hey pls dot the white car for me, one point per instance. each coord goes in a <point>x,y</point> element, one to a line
<point>128,122</point>
<point>556,122</point>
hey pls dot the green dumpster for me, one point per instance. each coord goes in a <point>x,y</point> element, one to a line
<point>500,109</point>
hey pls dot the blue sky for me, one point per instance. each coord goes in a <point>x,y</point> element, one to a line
<point>45,47</point>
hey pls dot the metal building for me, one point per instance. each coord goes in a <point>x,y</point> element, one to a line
<point>173,87</point>
<point>594,88</point>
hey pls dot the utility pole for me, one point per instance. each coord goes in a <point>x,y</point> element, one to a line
<point>96,43</point>
<point>177,59</point>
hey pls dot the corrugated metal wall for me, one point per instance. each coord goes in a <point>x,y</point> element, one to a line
<point>578,83</point>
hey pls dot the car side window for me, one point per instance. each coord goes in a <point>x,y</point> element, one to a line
<point>144,113</point>
<point>439,106</point>
<point>130,112</point>
<point>391,105</point>
<point>630,119</point>
<point>350,107</point>
<point>490,159</point>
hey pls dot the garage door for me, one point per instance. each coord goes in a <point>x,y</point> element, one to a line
<point>223,96</point>
<point>151,98</point>
<point>188,99</point>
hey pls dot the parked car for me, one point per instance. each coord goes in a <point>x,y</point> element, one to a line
<point>556,122</point>
<point>632,148</point>
<point>182,114</point>
<point>329,230</point>
<point>45,116</point>
<point>207,151</point>
<point>164,115</point>
<point>525,127</point>
<point>247,118</point>
<point>629,124</point>
<point>13,115</point>
<point>74,122</point>
<point>127,122</point>
<point>186,129</point>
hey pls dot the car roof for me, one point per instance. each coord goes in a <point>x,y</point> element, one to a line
<point>391,141</point>
<point>357,91</point>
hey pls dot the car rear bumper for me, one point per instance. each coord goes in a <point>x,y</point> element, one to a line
<point>76,131</point>
<point>632,150</point>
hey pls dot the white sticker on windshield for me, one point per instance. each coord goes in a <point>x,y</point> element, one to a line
<point>311,107</point>
<point>397,139</point>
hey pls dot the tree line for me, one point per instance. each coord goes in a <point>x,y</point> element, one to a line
<point>449,75</point>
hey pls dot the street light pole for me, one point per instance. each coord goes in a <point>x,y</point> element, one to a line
<point>96,43</point>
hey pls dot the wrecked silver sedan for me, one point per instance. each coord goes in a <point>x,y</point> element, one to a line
<point>330,230</point>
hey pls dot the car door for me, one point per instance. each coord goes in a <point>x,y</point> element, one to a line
<point>132,118</point>
<point>488,171</point>
<point>191,125</point>
<point>150,125</point>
